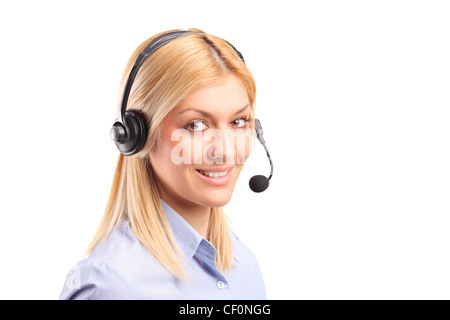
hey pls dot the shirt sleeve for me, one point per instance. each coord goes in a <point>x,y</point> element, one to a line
<point>98,280</point>
<point>77,286</point>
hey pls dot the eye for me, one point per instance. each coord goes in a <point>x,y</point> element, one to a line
<point>240,123</point>
<point>196,125</point>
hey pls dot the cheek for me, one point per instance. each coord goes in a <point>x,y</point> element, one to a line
<point>243,146</point>
<point>190,150</point>
<point>168,157</point>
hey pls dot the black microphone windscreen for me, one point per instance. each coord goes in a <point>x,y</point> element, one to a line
<point>258,183</point>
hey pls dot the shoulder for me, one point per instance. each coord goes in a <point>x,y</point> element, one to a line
<point>112,270</point>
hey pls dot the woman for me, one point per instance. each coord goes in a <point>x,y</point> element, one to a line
<point>164,234</point>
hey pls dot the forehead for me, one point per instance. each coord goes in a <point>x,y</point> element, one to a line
<point>225,97</point>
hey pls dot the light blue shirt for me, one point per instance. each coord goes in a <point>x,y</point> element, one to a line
<point>121,268</point>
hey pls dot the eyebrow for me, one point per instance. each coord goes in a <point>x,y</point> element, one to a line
<point>207,114</point>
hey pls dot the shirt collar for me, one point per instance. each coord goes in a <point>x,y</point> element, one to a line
<point>188,240</point>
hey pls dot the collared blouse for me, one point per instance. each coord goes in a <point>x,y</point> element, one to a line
<point>121,268</point>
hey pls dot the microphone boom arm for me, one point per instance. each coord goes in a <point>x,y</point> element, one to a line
<point>270,160</point>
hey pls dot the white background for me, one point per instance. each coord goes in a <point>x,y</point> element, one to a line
<point>354,98</point>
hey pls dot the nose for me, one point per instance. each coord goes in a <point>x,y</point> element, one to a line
<point>220,147</point>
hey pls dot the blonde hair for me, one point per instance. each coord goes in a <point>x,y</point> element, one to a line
<point>163,81</point>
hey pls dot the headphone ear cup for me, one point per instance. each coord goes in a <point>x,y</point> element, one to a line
<point>136,133</point>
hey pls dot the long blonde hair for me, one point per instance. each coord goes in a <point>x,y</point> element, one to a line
<point>163,81</point>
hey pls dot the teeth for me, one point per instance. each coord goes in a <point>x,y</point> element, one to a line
<point>213,174</point>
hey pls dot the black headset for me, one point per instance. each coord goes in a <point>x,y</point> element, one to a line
<point>129,131</point>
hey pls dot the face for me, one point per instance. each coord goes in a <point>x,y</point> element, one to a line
<point>205,141</point>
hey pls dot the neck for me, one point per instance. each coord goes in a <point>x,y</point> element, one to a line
<point>197,216</point>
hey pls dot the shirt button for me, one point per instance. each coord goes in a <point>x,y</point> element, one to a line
<point>220,284</point>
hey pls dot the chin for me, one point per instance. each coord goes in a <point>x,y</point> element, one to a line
<point>216,198</point>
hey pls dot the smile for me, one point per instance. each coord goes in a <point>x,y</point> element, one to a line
<point>213,174</point>
<point>216,177</point>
